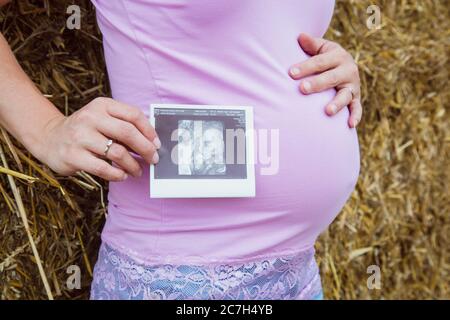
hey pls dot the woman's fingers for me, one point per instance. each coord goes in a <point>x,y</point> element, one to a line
<point>120,155</point>
<point>134,116</point>
<point>342,99</point>
<point>315,64</point>
<point>312,45</point>
<point>355,113</point>
<point>127,134</point>
<point>117,153</point>
<point>79,141</point>
<point>326,80</point>
<point>90,163</point>
<point>330,66</point>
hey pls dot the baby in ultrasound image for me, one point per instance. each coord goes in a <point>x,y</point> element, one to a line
<point>201,148</point>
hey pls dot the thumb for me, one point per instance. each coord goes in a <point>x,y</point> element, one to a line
<point>310,45</point>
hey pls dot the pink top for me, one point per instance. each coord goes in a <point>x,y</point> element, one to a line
<point>230,52</point>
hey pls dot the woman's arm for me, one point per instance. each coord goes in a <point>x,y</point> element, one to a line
<point>74,143</point>
<point>24,111</point>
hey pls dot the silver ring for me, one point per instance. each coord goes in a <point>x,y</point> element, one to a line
<point>108,146</point>
<point>351,92</point>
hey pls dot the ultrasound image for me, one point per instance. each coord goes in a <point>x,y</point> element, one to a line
<point>201,148</point>
<point>194,146</point>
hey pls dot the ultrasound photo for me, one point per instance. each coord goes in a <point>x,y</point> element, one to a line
<point>206,151</point>
<point>194,144</point>
<point>201,147</point>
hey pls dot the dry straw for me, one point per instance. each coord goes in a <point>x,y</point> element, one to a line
<point>397,218</point>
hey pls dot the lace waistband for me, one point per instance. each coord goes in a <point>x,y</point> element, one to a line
<point>118,276</point>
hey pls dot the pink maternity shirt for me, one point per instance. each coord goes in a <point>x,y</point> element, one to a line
<point>233,52</point>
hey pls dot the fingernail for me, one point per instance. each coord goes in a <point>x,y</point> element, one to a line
<point>157,143</point>
<point>124,177</point>
<point>155,158</point>
<point>295,71</point>
<point>332,108</point>
<point>140,172</point>
<point>306,86</point>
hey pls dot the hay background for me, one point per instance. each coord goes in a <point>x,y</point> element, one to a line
<point>397,218</point>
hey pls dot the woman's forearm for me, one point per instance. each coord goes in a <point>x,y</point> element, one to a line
<point>24,111</point>
<point>76,142</point>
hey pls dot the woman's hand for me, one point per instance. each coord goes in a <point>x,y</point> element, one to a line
<point>330,66</point>
<point>78,142</point>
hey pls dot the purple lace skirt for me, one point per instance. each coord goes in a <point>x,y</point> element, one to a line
<point>118,276</point>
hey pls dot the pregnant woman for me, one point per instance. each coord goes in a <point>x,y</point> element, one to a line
<point>230,52</point>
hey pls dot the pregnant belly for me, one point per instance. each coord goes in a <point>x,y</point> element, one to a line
<point>306,169</point>
<point>318,160</point>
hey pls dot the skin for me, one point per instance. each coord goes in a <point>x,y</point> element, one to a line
<point>330,66</point>
<point>77,142</point>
